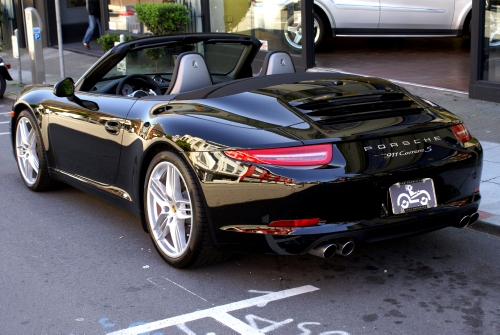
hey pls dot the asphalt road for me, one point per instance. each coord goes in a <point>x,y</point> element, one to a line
<point>73,264</point>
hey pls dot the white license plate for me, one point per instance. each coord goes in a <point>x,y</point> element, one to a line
<point>413,195</point>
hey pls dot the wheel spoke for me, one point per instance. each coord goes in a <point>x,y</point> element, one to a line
<point>172,184</point>
<point>292,29</point>
<point>177,232</point>
<point>161,221</point>
<point>33,162</point>
<point>23,127</point>
<point>157,191</point>
<point>31,140</point>
<point>165,229</point>
<point>28,169</point>
<point>298,38</point>
<point>184,209</point>
<point>20,151</point>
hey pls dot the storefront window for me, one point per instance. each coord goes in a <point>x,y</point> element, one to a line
<point>122,15</point>
<point>491,64</point>
<point>277,23</point>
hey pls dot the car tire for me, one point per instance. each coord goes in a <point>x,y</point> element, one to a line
<point>3,86</point>
<point>175,214</point>
<point>292,33</point>
<point>30,154</point>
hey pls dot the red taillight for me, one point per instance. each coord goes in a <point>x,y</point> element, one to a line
<point>295,223</point>
<point>294,156</point>
<point>461,133</point>
<point>126,13</point>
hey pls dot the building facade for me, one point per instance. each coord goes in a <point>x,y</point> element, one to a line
<point>275,23</point>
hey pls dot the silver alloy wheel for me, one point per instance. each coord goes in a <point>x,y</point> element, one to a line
<point>293,32</point>
<point>169,209</point>
<point>26,147</point>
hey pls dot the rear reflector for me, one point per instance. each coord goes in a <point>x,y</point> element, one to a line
<point>294,223</point>
<point>461,133</point>
<point>294,156</point>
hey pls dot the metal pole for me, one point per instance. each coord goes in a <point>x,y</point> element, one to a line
<point>59,38</point>
<point>307,12</point>
<point>19,72</point>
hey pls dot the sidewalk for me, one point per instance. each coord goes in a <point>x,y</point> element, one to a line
<point>482,118</point>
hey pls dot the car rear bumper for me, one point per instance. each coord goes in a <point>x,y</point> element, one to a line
<point>292,241</point>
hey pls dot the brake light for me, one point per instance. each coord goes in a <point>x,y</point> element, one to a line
<point>293,156</point>
<point>295,223</point>
<point>126,13</point>
<point>461,133</point>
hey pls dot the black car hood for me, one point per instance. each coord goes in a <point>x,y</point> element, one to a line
<point>338,107</point>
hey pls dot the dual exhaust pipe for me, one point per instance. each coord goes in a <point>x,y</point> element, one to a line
<point>468,220</point>
<point>329,249</point>
<point>346,247</point>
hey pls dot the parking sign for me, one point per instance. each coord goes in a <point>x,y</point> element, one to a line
<point>36,34</point>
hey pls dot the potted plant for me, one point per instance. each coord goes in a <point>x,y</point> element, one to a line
<point>163,18</point>
<point>107,41</point>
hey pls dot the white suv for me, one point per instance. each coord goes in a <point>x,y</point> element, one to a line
<point>406,18</point>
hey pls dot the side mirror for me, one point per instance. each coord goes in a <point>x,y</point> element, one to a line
<point>64,88</point>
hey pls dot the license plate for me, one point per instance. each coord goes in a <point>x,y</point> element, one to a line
<point>413,195</point>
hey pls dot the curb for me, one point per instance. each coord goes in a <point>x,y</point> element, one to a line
<point>486,228</point>
<point>96,54</point>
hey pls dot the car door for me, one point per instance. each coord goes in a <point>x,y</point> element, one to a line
<point>87,143</point>
<point>411,14</point>
<point>355,14</point>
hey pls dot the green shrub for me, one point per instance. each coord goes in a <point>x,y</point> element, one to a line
<point>154,55</point>
<point>162,18</point>
<point>107,41</point>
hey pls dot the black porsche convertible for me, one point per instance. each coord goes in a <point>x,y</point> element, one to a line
<point>214,158</point>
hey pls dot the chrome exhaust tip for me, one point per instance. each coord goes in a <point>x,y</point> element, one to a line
<point>325,250</point>
<point>344,248</point>
<point>464,222</point>
<point>473,218</point>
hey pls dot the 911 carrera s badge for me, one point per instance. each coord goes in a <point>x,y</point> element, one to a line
<point>414,195</point>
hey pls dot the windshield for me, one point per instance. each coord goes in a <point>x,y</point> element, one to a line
<point>221,59</point>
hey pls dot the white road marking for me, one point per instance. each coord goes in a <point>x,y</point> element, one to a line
<point>185,289</point>
<point>274,325</point>
<point>4,133</point>
<point>186,329</point>
<point>4,122</point>
<point>220,313</point>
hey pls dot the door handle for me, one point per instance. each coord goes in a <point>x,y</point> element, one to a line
<point>113,127</point>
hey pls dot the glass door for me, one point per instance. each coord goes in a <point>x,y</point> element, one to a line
<point>491,65</point>
<point>276,23</point>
